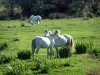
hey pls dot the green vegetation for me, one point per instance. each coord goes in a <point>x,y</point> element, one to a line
<point>24,55</point>
<point>81,48</point>
<point>19,40</point>
<point>53,9</point>
<point>3,45</point>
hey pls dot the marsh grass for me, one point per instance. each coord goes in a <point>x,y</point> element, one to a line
<point>81,30</point>
<point>4,59</point>
<point>24,55</point>
<point>64,52</point>
<point>81,48</point>
<point>16,68</point>
<point>3,45</point>
<point>15,39</point>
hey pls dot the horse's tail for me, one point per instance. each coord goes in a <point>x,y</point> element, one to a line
<point>71,43</point>
<point>33,47</point>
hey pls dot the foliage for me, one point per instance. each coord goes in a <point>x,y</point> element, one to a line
<point>16,68</point>
<point>64,52</point>
<point>81,48</point>
<point>4,59</point>
<point>44,69</point>
<point>15,39</point>
<point>57,15</point>
<point>24,55</point>
<point>22,24</point>
<point>92,50</point>
<point>3,45</point>
<point>75,8</point>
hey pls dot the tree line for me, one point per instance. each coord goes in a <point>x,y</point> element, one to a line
<point>50,8</point>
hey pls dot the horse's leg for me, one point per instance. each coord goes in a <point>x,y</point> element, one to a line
<point>33,47</point>
<point>57,51</point>
<point>37,49</point>
<point>51,52</point>
<point>38,22</point>
<point>47,52</point>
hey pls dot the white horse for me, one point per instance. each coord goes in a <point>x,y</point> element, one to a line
<point>65,40</point>
<point>33,19</point>
<point>44,42</point>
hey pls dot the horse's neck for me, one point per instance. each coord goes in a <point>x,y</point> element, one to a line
<point>51,38</point>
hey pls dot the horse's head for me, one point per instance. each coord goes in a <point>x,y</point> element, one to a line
<point>39,17</point>
<point>47,33</point>
<point>57,33</point>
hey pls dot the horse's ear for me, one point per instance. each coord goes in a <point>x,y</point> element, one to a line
<point>57,31</point>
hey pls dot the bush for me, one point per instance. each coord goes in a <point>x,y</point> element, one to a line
<point>64,53</point>
<point>81,48</point>
<point>24,55</point>
<point>3,45</point>
<point>4,59</point>
<point>57,15</point>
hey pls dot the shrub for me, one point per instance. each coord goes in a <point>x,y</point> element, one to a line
<point>57,15</point>
<point>24,55</point>
<point>81,48</point>
<point>64,53</point>
<point>3,45</point>
<point>4,59</point>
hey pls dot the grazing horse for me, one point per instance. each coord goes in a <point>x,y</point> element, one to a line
<point>65,40</point>
<point>44,42</point>
<point>32,19</point>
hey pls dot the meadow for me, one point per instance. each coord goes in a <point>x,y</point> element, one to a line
<point>18,38</point>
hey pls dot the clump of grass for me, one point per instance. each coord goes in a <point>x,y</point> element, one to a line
<point>3,45</point>
<point>16,68</point>
<point>81,48</point>
<point>66,64</point>
<point>15,39</point>
<point>24,55</point>
<point>92,50</point>
<point>4,59</point>
<point>64,52</point>
<point>44,69</point>
<point>22,24</point>
<point>9,27</point>
<point>37,64</point>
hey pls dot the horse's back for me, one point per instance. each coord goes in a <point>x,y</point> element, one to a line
<point>60,41</point>
<point>42,41</point>
<point>68,37</point>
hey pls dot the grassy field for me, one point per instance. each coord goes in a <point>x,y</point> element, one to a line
<point>78,64</point>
